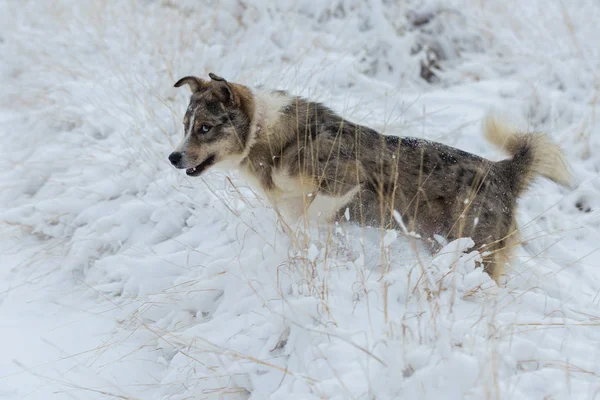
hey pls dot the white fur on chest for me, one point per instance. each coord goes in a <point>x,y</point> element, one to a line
<point>296,199</point>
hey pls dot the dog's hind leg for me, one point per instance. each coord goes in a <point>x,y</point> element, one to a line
<point>504,252</point>
<point>500,252</point>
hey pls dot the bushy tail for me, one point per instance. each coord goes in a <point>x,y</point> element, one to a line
<point>532,154</point>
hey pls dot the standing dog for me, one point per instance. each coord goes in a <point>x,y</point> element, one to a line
<point>304,158</point>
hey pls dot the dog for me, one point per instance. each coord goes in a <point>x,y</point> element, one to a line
<point>307,160</point>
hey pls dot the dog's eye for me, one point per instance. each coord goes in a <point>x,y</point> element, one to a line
<point>205,128</point>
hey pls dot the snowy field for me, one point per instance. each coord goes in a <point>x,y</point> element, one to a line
<point>120,277</point>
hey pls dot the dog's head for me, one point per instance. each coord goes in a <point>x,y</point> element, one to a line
<point>217,124</point>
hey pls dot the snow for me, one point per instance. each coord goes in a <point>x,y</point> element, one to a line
<point>120,277</point>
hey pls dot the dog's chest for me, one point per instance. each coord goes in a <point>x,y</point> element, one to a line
<point>300,196</point>
<point>295,196</point>
<point>291,186</point>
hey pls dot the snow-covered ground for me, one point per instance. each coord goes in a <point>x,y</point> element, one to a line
<point>122,278</point>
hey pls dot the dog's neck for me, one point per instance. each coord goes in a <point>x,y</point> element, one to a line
<point>258,123</point>
<point>257,127</point>
<point>264,138</point>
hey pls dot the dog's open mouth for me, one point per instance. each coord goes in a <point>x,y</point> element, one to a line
<point>200,168</point>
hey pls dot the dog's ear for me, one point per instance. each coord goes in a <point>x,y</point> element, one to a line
<point>224,91</point>
<point>196,84</point>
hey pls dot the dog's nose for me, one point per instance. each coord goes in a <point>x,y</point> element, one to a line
<point>175,157</point>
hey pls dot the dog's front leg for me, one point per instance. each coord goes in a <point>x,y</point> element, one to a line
<point>326,206</point>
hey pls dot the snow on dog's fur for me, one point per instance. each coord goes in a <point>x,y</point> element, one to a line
<point>307,160</point>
